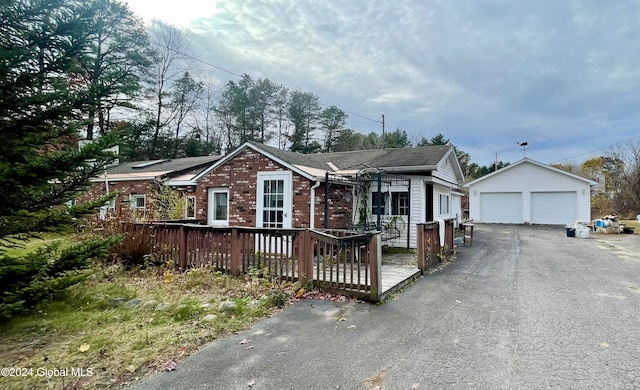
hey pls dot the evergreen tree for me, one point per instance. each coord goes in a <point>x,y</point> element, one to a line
<point>438,139</point>
<point>303,111</point>
<point>41,165</point>
<point>334,123</point>
<point>117,59</point>
<point>397,139</point>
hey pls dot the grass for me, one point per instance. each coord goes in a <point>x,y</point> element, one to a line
<point>92,328</point>
<point>632,223</point>
<point>34,243</point>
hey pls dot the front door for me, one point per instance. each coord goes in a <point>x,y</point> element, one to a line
<point>274,209</point>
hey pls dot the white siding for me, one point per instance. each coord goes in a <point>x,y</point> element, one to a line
<point>418,208</point>
<point>437,191</point>
<point>417,205</point>
<point>456,211</point>
<point>445,170</point>
<point>530,178</point>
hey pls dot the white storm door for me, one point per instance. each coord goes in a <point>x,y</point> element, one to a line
<point>274,200</point>
<point>274,208</point>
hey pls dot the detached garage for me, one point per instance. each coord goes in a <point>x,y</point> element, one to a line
<point>530,192</point>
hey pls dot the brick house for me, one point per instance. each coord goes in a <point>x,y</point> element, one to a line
<point>136,183</point>
<point>262,186</point>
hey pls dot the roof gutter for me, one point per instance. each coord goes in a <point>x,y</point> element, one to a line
<point>407,168</point>
<point>115,179</point>
<point>312,216</point>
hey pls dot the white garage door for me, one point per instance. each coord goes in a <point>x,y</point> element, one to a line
<point>501,207</point>
<point>553,208</point>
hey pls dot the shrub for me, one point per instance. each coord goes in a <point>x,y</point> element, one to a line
<point>45,274</point>
<point>137,245</point>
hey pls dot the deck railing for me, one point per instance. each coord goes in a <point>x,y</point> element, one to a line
<point>343,261</point>
<point>429,249</point>
<point>349,262</point>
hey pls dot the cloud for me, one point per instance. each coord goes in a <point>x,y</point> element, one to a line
<point>563,74</point>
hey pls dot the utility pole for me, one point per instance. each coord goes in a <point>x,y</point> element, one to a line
<point>384,139</point>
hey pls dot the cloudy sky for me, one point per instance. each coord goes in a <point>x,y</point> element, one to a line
<point>562,75</point>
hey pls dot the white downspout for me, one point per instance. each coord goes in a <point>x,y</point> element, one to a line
<point>312,216</point>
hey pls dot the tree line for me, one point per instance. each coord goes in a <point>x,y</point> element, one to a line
<point>617,172</point>
<point>143,85</point>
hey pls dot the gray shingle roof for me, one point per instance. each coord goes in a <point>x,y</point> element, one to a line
<point>294,158</point>
<point>377,158</point>
<point>178,165</point>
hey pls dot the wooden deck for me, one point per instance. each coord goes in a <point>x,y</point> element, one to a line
<point>397,271</point>
<point>394,277</point>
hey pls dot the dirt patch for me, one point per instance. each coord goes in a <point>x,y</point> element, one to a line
<point>375,382</point>
<point>626,246</point>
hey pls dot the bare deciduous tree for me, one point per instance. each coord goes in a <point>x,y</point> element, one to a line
<point>622,162</point>
<point>170,44</point>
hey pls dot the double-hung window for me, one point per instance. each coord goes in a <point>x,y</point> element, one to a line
<point>374,202</point>
<point>218,206</point>
<point>444,204</point>
<point>138,202</point>
<point>190,207</point>
<point>399,203</point>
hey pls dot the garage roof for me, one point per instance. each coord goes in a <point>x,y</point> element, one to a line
<point>534,162</point>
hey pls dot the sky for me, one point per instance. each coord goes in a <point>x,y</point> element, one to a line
<point>564,76</point>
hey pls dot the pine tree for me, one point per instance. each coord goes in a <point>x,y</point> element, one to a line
<point>41,165</point>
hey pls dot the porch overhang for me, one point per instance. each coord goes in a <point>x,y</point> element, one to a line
<point>405,169</point>
<point>437,180</point>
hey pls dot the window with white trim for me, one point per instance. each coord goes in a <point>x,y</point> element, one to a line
<point>190,207</point>
<point>138,202</point>
<point>396,202</point>
<point>111,206</point>
<point>218,206</point>
<point>444,204</point>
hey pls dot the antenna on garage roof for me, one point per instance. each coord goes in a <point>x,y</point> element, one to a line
<point>523,145</point>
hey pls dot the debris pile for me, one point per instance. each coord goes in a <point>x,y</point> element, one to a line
<point>578,229</point>
<point>609,224</point>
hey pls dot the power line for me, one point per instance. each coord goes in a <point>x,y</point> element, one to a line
<point>597,150</point>
<point>239,75</point>
<point>363,117</point>
<point>354,114</point>
<point>196,59</point>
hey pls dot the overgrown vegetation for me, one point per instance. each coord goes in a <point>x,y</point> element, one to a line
<point>123,324</point>
<point>137,246</point>
<point>168,204</point>
<point>617,172</point>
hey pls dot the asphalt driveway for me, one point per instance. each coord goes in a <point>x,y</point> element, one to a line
<point>524,308</point>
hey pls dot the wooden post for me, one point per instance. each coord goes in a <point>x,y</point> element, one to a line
<point>236,255</point>
<point>302,255</point>
<point>375,264</point>
<point>308,255</point>
<point>184,250</point>
<point>421,249</point>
